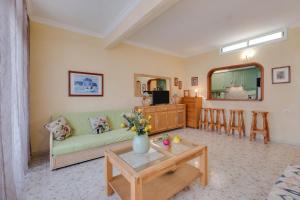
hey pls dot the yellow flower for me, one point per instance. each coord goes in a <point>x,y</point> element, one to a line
<point>142,121</point>
<point>149,117</point>
<point>133,129</point>
<point>139,110</point>
<point>123,125</point>
<point>147,128</point>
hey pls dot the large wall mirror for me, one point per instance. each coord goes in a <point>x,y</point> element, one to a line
<point>144,83</point>
<point>244,82</point>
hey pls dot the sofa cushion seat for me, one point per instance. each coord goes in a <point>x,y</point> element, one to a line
<point>83,142</point>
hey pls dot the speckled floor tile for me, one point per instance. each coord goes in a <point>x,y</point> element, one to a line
<point>238,170</point>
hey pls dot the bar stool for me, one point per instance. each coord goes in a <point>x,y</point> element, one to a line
<point>203,119</point>
<point>221,120</point>
<point>264,131</point>
<point>212,122</point>
<point>241,123</point>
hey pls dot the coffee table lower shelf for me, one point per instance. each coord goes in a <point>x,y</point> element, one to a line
<point>160,188</point>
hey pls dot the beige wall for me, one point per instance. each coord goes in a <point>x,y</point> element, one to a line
<point>282,100</point>
<point>54,51</point>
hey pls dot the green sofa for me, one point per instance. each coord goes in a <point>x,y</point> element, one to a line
<point>82,145</point>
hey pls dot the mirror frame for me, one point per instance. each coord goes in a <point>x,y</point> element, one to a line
<point>151,76</point>
<point>259,66</point>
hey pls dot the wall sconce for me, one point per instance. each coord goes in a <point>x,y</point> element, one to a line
<point>248,54</point>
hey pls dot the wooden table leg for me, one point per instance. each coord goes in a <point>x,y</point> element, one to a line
<point>204,168</point>
<point>108,176</point>
<point>136,189</point>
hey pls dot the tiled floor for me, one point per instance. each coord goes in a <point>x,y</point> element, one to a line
<point>238,170</point>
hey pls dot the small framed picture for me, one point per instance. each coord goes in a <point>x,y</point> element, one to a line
<point>186,93</point>
<point>281,75</point>
<point>85,84</point>
<point>179,85</point>
<point>144,87</point>
<point>176,81</point>
<point>194,81</point>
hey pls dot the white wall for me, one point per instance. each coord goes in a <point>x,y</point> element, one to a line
<point>281,100</point>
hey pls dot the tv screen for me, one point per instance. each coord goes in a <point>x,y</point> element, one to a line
<point>160,97</point>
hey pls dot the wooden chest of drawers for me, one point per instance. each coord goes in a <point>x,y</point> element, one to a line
<point>193,108</point>
<point>165,117</point>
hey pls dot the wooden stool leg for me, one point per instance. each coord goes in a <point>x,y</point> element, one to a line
<point>240,124</point>
<point>200,119</point>
<point>230,122</point>
<point>205,119</point>
<point>243,124</point>
<point>253,127</point>
<point>265,129</point>
<point>212,120</point>
<point>268,129</point>
<point>224,121</point>
<point>218,121</point>
<point>233,122</point>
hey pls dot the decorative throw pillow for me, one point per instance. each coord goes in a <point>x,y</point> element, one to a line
<point>99,124</point>
<point>59,128</point>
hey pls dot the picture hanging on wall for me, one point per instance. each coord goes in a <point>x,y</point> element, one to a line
<point>281,75</point>
<point>194,81</point>
<point>176,81</point>
<point>85,84</point>
<point>186,93</point>
<point>144,87</point>
<point>179,85</point>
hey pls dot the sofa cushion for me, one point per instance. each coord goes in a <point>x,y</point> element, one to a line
<point>59,128</point>
<point>88,141</point>
<point>80,124</point>
<point>99,124</point>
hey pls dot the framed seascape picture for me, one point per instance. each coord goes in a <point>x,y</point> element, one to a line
<point>85,84</point>
<point>281,75</point>
<point>186,93</point>
<point>179,85</point>
<point>194,81</point>
<point>176,81</point>
<point>144,87</point>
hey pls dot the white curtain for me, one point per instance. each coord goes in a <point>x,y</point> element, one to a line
<point>14,132</point>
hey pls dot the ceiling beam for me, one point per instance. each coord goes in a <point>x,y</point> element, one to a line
<point>142,14</point>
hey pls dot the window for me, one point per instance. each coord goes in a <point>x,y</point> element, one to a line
<point>274,36</point>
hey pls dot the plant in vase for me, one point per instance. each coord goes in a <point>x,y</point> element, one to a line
<point>140,125</point>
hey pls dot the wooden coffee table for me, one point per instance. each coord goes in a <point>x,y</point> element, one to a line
<point>158,174</point>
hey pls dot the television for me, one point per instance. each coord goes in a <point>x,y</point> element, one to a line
<point>160,97</point>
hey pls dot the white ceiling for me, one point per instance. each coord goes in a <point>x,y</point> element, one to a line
<point>188,28</point>
<point>195,26</point>
<point>91,16</point>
